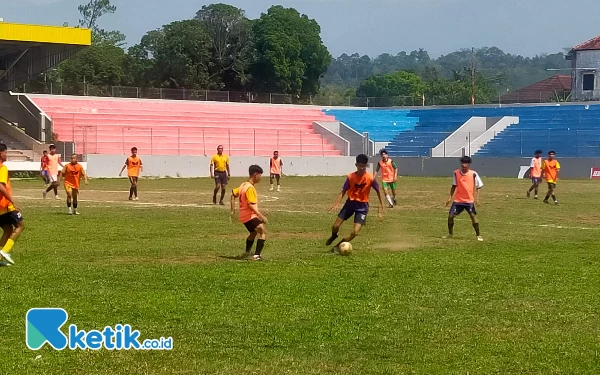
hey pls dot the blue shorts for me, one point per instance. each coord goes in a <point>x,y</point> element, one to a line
<point>44,173</point>
<point>457,208</point>
<point>536,180</point>
<point>358,209</point>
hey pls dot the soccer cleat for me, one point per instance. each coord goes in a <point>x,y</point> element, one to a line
<point>130,198</point>
<point>44,194</point>
<point>271,189</point>
<point>221,203</point>
<point>75,212</point>
<point>335,250</point>
<point>556,203</point>
<point>330,240</point>
<point>6,257</point>
<point>528,194</point>
<point>395,203</point>
<point>257,257</point>
<point>70,212</point>
<point>136,199</point>
<point>57,197</point>
<point>4,263</point>
<point>278,189</point>
<point>546,201</point>
<point>214,200</point>
<point>447,237</point>
<point>536,197</point>
<point>479,238</point>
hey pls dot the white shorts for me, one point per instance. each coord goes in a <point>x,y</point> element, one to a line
<point>54,178</point>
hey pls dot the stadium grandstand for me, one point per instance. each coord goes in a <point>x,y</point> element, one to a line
<point>25,52</point>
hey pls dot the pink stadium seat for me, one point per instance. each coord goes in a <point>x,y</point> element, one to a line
<point>164,127</point>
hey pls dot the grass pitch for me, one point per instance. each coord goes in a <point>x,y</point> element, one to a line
<point>525,301</point>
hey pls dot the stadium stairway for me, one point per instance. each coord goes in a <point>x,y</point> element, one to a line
<point>164,127</point>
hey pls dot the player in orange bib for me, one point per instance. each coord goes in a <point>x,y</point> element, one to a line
<point>11,219</point>
<point>358,188</point>
<point>535,172</point>
<point>134,167</point>
<point>250,216</point>
<point>73,172</point>
<point>276,166</point>
<point>53,163</point>
<point>465,192</point>
<point>389,176</point>
<point>550,170</point>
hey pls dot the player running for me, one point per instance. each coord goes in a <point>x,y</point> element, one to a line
<point>389,176</point>
<point>11,219</point>
<point>358,188</point>
<point>44,161</point>
<point>53,163</point>
<point>250,216</point>
<point>220,173</point>
<point>134,166</point>
<point>73,172</point>
<point>465,192</point>
<point>550,170</point>
<point>276,166</point>
<point>535,172</point>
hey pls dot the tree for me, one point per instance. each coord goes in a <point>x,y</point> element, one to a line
<point>290,55</point>
<point>401,83</point>
<point>231,44</point>
<point>90,14</point>
<point>177,56</point>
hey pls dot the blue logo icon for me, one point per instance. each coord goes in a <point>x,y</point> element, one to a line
<point>42,325</point>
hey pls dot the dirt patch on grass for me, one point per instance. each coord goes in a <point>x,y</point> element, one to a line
<point>400,245</point>
<point>179,260</point>
<point>594,220</point>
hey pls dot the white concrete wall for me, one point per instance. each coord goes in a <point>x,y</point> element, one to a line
<point>455,142</point>
<point>198,166</point>
<point>492,132</point>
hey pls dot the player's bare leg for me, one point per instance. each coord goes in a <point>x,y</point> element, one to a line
<point>9,237</point>
<point>450,226</point>
<point>260,243</point>
<point>334,231</point>
<point>69,200</point>
<point>75,201</point>
<point>475,223</point>
<point>216,191</point>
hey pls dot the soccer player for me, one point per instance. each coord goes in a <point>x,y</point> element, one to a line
<point>11,219</point>
<point>134,166</point>
<point>73,173</point>
<point>358,187</point>
<point>220,173</point>
<point>250,216</point>
<point>53,163</point>
<point>466,184</point>
<point>551,169</point>
<point>44,161</point>
<point>276,165</point>
<point>389,176</point>
<point>535,171</point>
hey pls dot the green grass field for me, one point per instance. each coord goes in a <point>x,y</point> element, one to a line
<point>524,301</point>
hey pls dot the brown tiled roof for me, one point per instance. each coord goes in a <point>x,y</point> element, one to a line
<point>542,91</point>
<point>591,44</point>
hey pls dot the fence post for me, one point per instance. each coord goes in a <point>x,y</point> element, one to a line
<point>228,98</point>
<point>137,92</point>
<point>270,98</point>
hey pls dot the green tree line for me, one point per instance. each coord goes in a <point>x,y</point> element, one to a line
<point>219,48</point>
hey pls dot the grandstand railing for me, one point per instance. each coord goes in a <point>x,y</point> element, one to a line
<point>91,139</point>
<point>273,98</point>
<point>566,142</point>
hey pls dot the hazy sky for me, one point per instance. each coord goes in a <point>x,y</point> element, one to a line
<point>526,27</point>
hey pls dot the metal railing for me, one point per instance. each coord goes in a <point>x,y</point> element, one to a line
<point>177,140</point>
<point>84,89</point>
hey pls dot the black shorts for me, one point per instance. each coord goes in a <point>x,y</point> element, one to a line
<point>11,218</point>
<point>221,178</point>
<point>536,180</point>
<point>551,185</point>
<point>457,208</point>
<point>273,175</point>
<point>133,179</point>
<point>360,215</point>
<point>252,224</point>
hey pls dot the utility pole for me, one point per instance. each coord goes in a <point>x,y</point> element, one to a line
<point>472,70</point>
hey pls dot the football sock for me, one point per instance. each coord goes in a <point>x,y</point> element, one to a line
<point>260,244</point>
<point>49,188</point>
<point>135,191</point>
<point>451,225</point>
<point>75,205</point>
<point>9,245</point>
<point>55,190</point>
<point>130,192</point>
<point>69,203</point>
<point>249,244</point>
<point>554,197</point>
<point>222,194</point>
<point>476,227</point>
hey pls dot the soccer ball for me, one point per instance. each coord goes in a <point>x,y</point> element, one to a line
<point>345,248</point>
